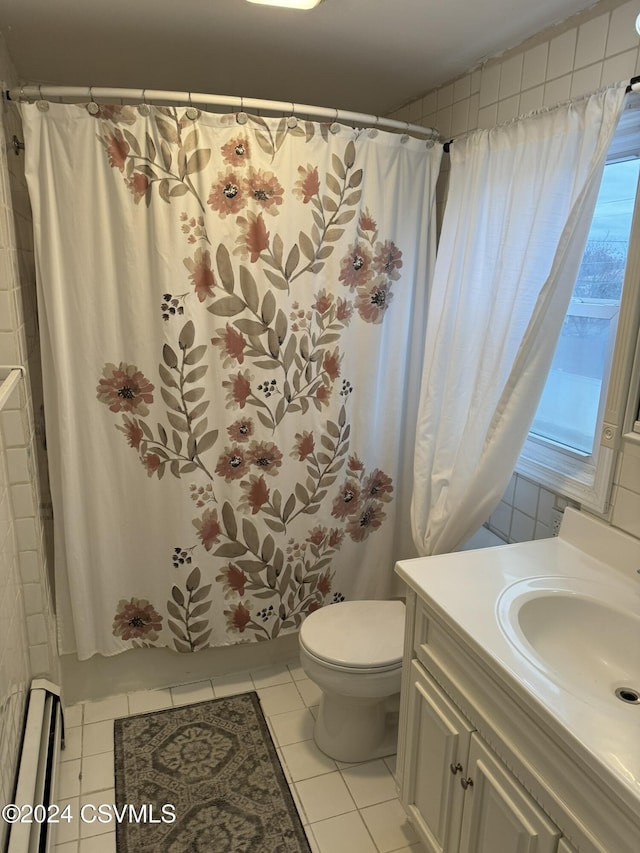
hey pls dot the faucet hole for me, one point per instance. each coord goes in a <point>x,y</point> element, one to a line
<point>629,695</point>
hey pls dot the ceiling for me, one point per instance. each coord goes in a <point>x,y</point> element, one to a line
<point>364,55</point>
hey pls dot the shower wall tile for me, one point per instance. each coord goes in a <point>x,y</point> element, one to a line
<point>595,48</point>
<point>622,31</point>
<point>27,644</point>
<point>592,40</point>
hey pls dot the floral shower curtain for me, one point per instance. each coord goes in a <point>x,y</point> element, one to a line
<point>232,311</point>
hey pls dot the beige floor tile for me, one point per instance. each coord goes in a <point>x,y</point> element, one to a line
<point>305,760</point>
<point>97,772</point>
<point>370,783</point>
<point>343,834</point>
<point>292,726</point>
<point>270,676</point>
<point>106,709</point>
<point>145,701</point>
<point>66,847</point>
<point>93,821</point>
<point>69,779</point>
<point>72,744</point>
<point>310,692</point>
<point>97,737</point>
<point>68,830</point>
<point>324,796</point>
<point>186,694</point>
<point>73,715</point>
<point>229,685</point>
<point>389,826</point>
<point>280,699</point>
<point>99,844</point>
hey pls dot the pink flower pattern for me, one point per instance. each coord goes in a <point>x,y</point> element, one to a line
<point>301,334</point>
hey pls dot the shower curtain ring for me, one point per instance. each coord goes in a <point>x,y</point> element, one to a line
<point>292,121</point>
<point>242,117</point>
<point>373,131</point>
<point>334,127</point>
<point>191,112</point>
<point>41,104</point>
<point>144,109</point>
<point>405,136</point>
<point>92,107</point>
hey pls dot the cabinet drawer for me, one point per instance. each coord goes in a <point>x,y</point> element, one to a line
<point>429,639</point>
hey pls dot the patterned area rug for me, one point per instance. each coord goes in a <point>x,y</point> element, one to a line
<point>214,767</point>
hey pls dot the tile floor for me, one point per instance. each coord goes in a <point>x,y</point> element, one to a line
<point>345,808</point>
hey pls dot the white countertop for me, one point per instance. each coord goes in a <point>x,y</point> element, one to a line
<point>465,589</point>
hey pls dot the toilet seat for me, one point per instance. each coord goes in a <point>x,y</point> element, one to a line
<point>356,636</point>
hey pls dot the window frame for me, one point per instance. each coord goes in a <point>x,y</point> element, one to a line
<point>588,478</point>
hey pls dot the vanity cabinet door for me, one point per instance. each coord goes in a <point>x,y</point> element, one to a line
<point>499,815</point>
<point>437,740</point>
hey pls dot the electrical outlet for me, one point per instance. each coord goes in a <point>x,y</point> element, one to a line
<point>556,521</point>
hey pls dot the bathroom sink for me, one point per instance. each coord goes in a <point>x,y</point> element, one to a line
<point>581,634</point>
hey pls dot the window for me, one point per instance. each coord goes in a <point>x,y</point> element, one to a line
<point>572,441</point>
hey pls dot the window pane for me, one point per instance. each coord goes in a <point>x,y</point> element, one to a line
<point>568,409</point>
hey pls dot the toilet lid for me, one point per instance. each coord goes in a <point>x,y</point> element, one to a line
<point>363,634</point>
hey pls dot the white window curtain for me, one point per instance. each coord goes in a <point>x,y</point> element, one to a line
<point>520,202</point>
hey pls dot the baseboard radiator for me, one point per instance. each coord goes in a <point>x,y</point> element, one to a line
<point>38,771</point>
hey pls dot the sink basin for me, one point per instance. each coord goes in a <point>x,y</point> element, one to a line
<point>580,634</point>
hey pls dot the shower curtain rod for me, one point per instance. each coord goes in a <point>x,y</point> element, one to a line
<point>190,99</point>
<point>634,86</point>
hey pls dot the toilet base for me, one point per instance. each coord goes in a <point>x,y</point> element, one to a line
<point>354,729</point>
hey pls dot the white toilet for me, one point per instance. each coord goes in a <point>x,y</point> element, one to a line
<point>353,652</point>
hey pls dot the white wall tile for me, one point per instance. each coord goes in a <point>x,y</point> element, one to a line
<point>501,519</point>
<point>586,80</point>
<point>531,100</point>
<point>534,68</point>
<point>557,91</point>
<point>511,76</point>
<point>430,103</point>
<point>488,117</point>
<point>629,472</point>
<point>561,54</point>
<point>522,527</point>
<point>474,105</point>
<point>22,500</point>
<point>445,96</point>
<point>626,511</point>
<point>13,428</point>
<point>620,67</point>
<point>443,121</point>
<point>525,496</point>
<point>460,117</point>
<point>622,29</point>
<point>40,659</point>
<point>592,40</point>
<point>462,88</point>
<point>489,85</point>
<point>18,465</point>
<point>508,109</point>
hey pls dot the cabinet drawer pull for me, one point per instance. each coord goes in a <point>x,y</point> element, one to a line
<point>467,783</point>
<point>455,768</point>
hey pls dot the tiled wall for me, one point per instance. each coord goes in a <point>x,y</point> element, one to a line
<point>26,621</point>
<point>595,48</point>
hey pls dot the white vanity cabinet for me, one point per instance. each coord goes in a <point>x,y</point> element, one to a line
<point>479,770</point>
<point>460,797</point>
